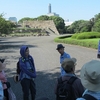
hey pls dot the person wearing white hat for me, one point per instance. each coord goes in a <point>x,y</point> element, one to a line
<point>90,78</point>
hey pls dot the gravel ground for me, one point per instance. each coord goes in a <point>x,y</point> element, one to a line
<point>43,50</point>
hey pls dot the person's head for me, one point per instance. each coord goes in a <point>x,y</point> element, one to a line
<point>90,75</point>
<point>69,65</point>
<point>60,48</point>
<point>24,51</point>
<point>2,64</point>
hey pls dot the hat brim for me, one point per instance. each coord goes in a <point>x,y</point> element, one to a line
<point>88,85</point>
<point>60,48</point>
<point>74,60</point>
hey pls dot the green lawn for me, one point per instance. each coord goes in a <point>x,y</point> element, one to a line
<point>90,43</point>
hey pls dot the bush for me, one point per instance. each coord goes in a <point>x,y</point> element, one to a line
<point>63,37</point>
<point>86,35</point>
<point>81,39</point>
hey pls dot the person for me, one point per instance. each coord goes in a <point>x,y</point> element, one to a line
<point>27,73</point>
<point>63,55</point>
<point>90,77</point>
<point>3,79</point>
<point>69,66</point>
<point>1,91</point>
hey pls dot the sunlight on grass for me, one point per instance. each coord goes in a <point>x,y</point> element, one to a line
<point>91,43</point>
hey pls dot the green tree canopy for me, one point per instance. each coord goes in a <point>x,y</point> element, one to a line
<point>5,26</point>
<point>96,26</point>
<point>59,22</point>
<point>26,19</point>
<point>43,17</point>
<point>80,26</point>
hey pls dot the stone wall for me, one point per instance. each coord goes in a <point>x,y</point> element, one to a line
<point>41,24</point>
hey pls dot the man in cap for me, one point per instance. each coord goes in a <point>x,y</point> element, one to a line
<point>69,67</point>
<point>63,55</point>
<point>90,77</point>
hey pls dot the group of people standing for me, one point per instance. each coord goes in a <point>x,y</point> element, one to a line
<point>85,88</point>
<point>26,77</point>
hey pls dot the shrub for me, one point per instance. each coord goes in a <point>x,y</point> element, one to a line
<point>86,35</point>
<point>63,37</point>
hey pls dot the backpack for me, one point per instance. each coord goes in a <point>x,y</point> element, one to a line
<point>65,89</point>
<point>89,97</point>
<point>18,70</point>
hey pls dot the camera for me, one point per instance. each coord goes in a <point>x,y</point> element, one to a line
<point>2,60</point>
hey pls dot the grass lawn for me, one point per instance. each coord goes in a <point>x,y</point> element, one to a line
<point>90,43</point>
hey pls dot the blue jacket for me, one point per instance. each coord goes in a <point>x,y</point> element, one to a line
<point>62,57</point>
<point>23,64</point>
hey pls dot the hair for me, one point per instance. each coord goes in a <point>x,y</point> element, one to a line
<point>70,70</point>
<point>26,48</point>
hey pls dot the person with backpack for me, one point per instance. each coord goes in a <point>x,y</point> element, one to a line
<point>16,77</point>
<point>63,55</point>
<point>27,73</point>
<point>69,86</point>
<point>90,77</point>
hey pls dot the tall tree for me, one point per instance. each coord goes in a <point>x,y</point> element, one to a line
<point>5,26</point>
<point>59,22</point>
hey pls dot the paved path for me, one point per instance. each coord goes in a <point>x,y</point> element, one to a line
<point>43,49</point>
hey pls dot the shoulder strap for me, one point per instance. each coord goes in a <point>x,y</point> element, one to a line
<point>60,80</point>
<point>89,97</point>
<point>71,80</point>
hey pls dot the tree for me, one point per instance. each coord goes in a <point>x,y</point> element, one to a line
<point>96,26</point>
<point>59,22</point>
<point>5,26</point>
<point>26,19</point>
<point>96,17</point>
<point>43,17</point>
<point>80,26</point>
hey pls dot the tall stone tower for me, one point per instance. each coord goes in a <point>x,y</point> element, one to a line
<point>49,8</point>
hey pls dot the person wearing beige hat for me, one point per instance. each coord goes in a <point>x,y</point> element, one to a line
<point>69,67</point>
<point>90,77</point>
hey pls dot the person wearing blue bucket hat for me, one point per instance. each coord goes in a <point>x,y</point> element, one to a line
<point>63,55</point>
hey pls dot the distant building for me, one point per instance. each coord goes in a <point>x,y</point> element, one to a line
<point>13,19</point>
<point>67,22</point>
<point>50,13</point>
<point>49,8</point>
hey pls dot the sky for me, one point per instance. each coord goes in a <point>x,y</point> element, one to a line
<point>71,10</point>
